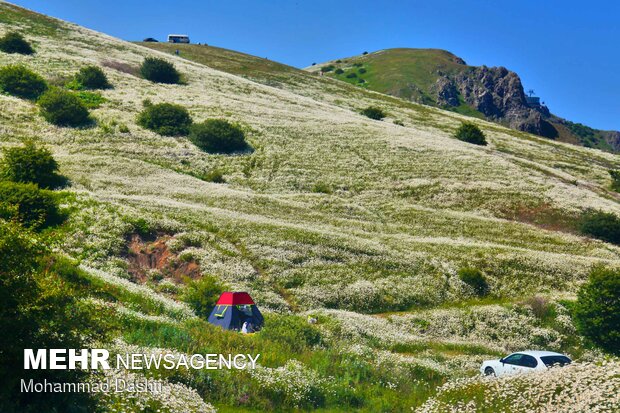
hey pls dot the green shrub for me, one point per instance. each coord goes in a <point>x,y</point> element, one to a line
<point>92,77</point>
<point>597,310</point>
<point>159,71</point>
<point>602,225</point>
<point>20,81</point>
<point>361,70</point>
<point>26,203</point>
<point>39,310</point>
<point>374,112</point>
<point>15,43</point>
<point>351,75</point>
<point>32,164</point>
<point>218,136</point>
<point>475,279</point>
<point>328,68</point>
<point>166,119</point>
<point>292,330</point>
<point>63,108</point>
<point>365,53</point>
<point>615,179</point>
<point>322,188</point>
<point>339,71</point>
<point>91,100</point>
<point>470,133</point>
<point>202,294</point>
<point>216,176</point>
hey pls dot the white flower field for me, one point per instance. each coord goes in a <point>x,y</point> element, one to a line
<point>374,258</point>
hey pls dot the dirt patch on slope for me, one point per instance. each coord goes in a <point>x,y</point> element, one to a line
<point>144,255</point>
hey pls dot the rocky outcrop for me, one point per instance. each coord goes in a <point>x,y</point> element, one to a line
<point>497,93</point>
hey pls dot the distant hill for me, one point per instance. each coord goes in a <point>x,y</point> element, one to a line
<point>439,78</point>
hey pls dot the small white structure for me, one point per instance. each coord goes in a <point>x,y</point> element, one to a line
<point>178,38</point>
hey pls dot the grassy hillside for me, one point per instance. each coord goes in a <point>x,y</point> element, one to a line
<point>363,224</point>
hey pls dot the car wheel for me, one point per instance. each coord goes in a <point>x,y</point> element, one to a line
<point>489,371</point>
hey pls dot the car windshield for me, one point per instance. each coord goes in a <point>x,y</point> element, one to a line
<point>553,360</point>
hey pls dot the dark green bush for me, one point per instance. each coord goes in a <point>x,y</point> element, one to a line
<point>166,119</point>
<point>361,70</point>
<point>32,164</point>
<point>602,225</point>
<point>597,310</point>
<point>39,310</point>
<point>328,68</point>
<point>470,133</point>
<point>365,53</point>
<point>374,112</point>
<point>475,279</point>
<point>21,82</point>
<point>92,77</point>
<point>292,330</point>
<point>63,108</point>
<point>339,71</point>
<point>26,203</point>
<point>202,294</point>
<point>159,71</point>
<point>15,43</point>
<point>615,179</point>
<point>218,136</point>
<point>351,75</point>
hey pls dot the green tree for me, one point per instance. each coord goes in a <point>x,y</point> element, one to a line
<point>218,136</point>
<point>470,133</point>
<point>31,164</point>
<point>37,310</point>
<point>597,311</point>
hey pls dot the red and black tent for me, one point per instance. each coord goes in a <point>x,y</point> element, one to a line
<point>235,308</point>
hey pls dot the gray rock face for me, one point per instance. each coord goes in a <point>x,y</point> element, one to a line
<point>497,93</point>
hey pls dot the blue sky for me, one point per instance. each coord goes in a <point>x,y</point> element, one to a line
<point>567,51</point>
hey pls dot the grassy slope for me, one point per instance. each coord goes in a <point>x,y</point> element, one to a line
<point>411,73</point>
<point>405,208</point>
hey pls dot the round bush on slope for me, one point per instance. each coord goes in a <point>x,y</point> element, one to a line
<point>92,77</point>
<point>470,133</point>
<point>34,207</point>
<point>15,43</point>
<point>166,119</point>
<point>22,82</point>
<point>63,108</point>
<point>31,164</point>
<point>601,225</point>
<point>475,279</point>
<point>159,71</point>
<point>218,136</point>
<point>373,113</point>
<point>597,311</point>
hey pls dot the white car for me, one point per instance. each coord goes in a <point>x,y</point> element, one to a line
<point>523,362</point>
